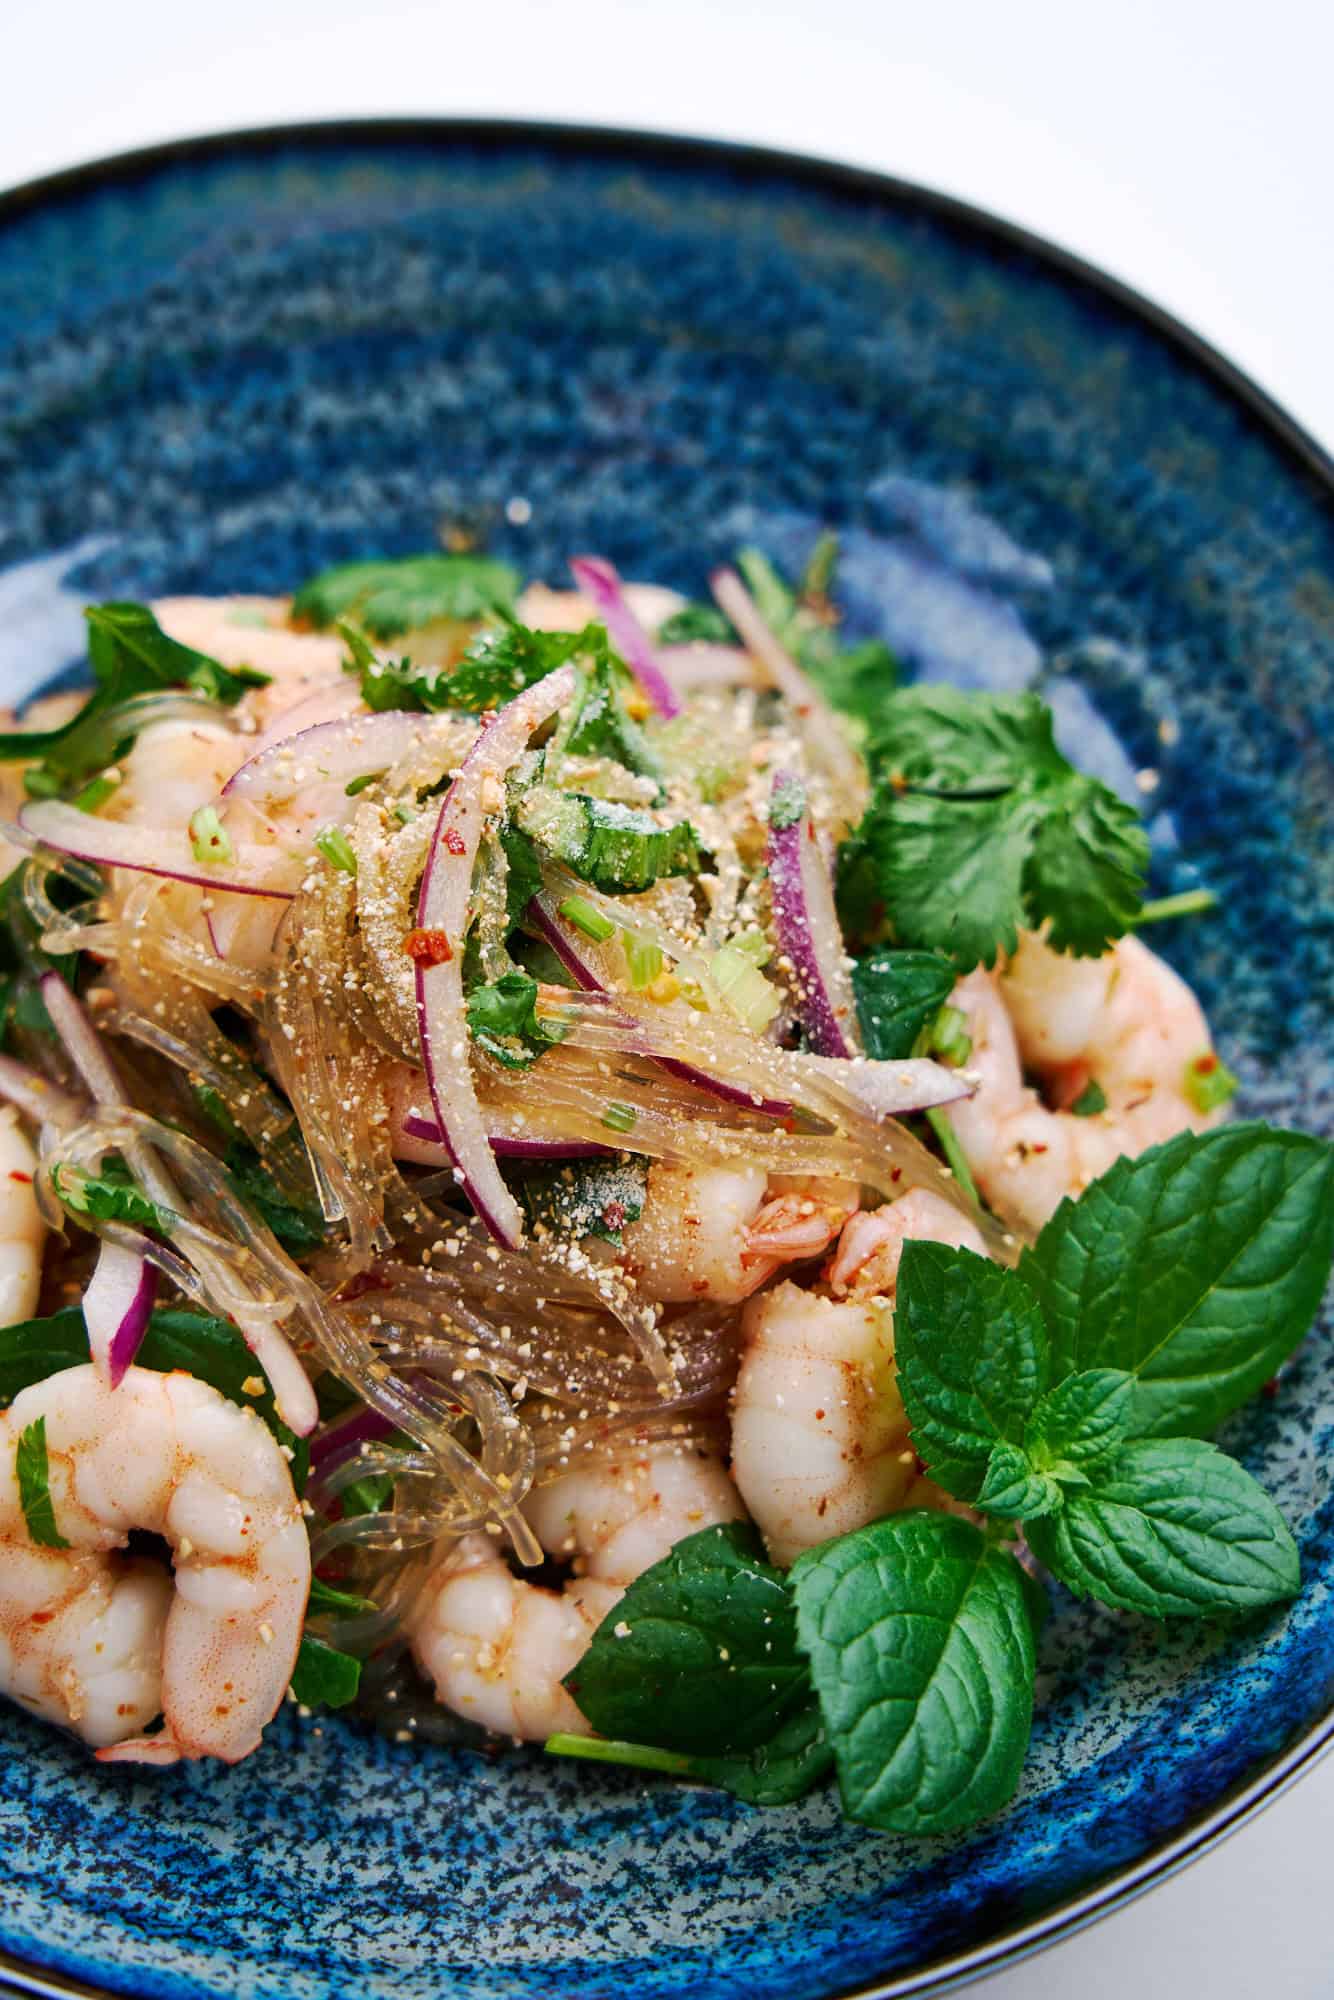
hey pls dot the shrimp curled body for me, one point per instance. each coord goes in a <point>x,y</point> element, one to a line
<point>718,1233</point>
<point>22,1231</point>
<point>820,1441</point>
<point>102,1643</point>
<point>498,1647</point>
<point>1125,1022</point>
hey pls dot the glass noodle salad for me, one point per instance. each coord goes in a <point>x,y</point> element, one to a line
<point>586,1167</point>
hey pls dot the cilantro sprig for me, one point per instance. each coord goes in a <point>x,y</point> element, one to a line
<point>979,827</point>
<point>387,597</point>
<point>1062,1396</point>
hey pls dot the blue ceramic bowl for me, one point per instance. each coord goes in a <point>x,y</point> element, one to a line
<point>225,364</point>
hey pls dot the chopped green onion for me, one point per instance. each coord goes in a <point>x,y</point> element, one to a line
<point>1190,903</point>
<point>359,784</point>
<point>601,1750</point>
<point>744,988</point>
<point>954,1159</point>
<point>755,945</point>
<point>41,783</point>
<point>1208,1082</point>
<point>96,793</point>
<point>1091,1100</point>
<point>577,910</point>
<point>643,959</point>
<point>209,838</point>
<point>620,1117</point>
<point>404,815</point>
<point>950,1039</point>
<point>336,848</point>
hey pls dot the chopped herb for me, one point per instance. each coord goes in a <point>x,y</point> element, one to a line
<point>1189,903</point>
<point>323,1675</point>
<point>643,960</point>
<point>498,665</point>
<point>502,1019</point>
<point>388,596</point>
<point>210,841</point>
<point>948,1142</point>
<point>581,1198</point>
<point>620,1117</point>
<point>111,1196</point>
<point>577,910</point>
<point>325,1598</point>
<point>978,827</point>
<point>1091,1100</point>
<point>741,985</point>
<point>696,621</point>
<point>359,785</point>
<point>33,1471</point>
<point>1208,1082</point>
<point>949,1039</point>
<point>336,848</point>
<point>94,795</point>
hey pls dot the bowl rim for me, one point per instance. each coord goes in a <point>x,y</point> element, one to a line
<point>1251,1795</point>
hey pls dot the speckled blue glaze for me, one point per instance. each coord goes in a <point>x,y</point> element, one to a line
<point>220,372</point>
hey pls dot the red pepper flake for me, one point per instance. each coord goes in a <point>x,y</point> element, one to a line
<point>452,839</point>
<point>15,1175</point>
<point>613,1215</point>
<point>428,947</point>
<point>1205,1065</point>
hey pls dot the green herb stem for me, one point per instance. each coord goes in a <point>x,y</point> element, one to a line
<point>1190,903</point>
<point>953,1151</point>
<point>577,910</point>
<point>598,1750</point>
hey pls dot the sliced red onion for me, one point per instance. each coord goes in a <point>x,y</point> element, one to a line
<point>153,850</point>
<point>829,747</point>
<point>334,752</point>
<point>428,1149</point>
<point>702,663</point>
<point>82,1043</point>
<point>564,943</point>
<point>42,1101</point>
<point>599,582</point>
<point>117,1307</point>
<point>327,703</point>
<point>443,906</point>
<point>892,1089</point>
<point>338,1441</point>
<point>807,923</point>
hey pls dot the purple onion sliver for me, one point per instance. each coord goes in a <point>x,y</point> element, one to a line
<point>507,1145</point>
<point>117,1306</point>
<point>599,581</point>
<point>346,747</point>
<point>109,843</point>
<point>804,918</point>
<point>336,1444</point>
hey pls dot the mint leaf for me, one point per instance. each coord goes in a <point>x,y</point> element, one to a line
<point>301,1226</point>
<point>324,1675</point>
<point>1081,1420</point>
<point>1014,1488</point>
<point>972,1360</point>
<point>32,1349</point>
<point>1197,1267</point>
<point>979,827</point>
<point>33,1472</point>
<point>898,994</point>
<point>785,1767</point>
<point>922,1653</point>
<point>706,1660</point>
<point>388,596</point>
<point>1171,1528</point>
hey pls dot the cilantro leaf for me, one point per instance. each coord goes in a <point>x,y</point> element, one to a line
<point>586,1197</point>
<point>922,1651</point>
<point>129,654</point>
<point>388,596</point>
<point>898,994</point>
<point>502,1019</point>
<point>111,1196</point>
<point>978,826</point>
<point>696,621</point>
<point>324,1675</point>
<point>973,1361</point>
<point>500,664</point>
<point>700,1654</point>
<point>1171,1528</point>
<point>34,1477</point>
<point>1197,1267</point>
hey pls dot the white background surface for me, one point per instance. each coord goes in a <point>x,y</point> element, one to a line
<point>1186,147</point>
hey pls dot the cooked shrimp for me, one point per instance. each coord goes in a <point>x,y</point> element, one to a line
<point>102,1644</point>
<point>253,632</point>
<point>498,1647</point>
<point>22,1231</point>
<point>1125,1022</point>
<point>172,769</point>
<point>820,1441</point>
<point>719,1232</point>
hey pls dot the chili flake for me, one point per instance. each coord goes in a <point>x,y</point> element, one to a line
<point>428,947</point>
